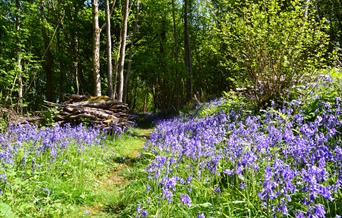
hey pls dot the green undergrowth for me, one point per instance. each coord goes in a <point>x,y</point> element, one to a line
<point>86,184</point>
<point>124,202</point>
<point>116,193</point>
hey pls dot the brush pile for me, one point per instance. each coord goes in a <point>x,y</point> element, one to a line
<point>100,112</point>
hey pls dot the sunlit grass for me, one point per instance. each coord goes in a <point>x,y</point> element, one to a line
<point>77,183</point>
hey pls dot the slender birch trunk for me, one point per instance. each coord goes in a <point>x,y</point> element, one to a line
<point>96,49</point>
<point>123,51</point>
<point>109,52</point>
<point>129,67</point>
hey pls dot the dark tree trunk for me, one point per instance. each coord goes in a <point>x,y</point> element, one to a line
<point>175,34</point>
<point>48,64</point>
<point>62,67</point>
<point>187,50</point>
<point>176,53</point>
<point>48,67</point>
<point>77,65</point>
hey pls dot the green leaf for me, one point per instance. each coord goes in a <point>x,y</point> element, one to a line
<point>203,205</point>
<point>6,211</point>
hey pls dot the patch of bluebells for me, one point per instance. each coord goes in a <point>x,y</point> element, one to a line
<point>24,145</point>
<point>292,160</point>
<point>114,129</point>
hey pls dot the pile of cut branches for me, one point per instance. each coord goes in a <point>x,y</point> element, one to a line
<point>100,112</point>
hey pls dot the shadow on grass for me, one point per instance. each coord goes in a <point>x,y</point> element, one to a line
<point>129,161</point>
<point>133,162</point>
<point>132,192</point>
<point>115,208</point>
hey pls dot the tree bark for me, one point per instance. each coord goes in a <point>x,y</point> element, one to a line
<point>127,77</point>
<point>306,12</point>
<point>187,53</point>
<point>48,67</point>
<point>96,49</point>
<point>61,64</point>
<point>48,57</point>
<point>74,49</point>
<point>76,65</point>
<point>19,64</point>
<point>129,67</point>
<point>175,35</point>
<point>109,52</point>
<point>123,50</point>
<point>176,53</point>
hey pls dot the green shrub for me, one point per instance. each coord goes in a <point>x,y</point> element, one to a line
<point>271,47</point>
<point>231,100</point>
<point>326,87</point>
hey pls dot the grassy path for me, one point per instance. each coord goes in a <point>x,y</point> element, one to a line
<point>111,197</point>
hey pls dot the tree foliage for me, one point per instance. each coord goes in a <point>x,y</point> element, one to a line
<point>264,46</point>
<point>271,46</point>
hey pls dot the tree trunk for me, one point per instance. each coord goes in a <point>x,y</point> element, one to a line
<point>187,53</point>
<point>307,3</point>
<point>109,52</point>
<point>145,103</point>
<point>128,74</point>
<point>175,35</point>
<point>48,60</point>
<point>123,50</point>
<point>19,64</point>
<point>48,67</point>
<point>21,85</point>
<point>163,88</point>
<point>96,49</point>
<point>76,65</point>
<point>74,49</point>
<point>62,70</point>
<point>129,67</point>
<point>176,54</point>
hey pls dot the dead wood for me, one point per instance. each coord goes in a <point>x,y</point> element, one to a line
<point>100,111</point>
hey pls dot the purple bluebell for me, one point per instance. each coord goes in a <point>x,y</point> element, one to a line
<point>201,215</point>
<point>185,199</point>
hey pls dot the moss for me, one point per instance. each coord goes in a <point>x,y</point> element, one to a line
<point>98,98</point>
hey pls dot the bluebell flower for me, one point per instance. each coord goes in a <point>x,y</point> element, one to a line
<point>300,215</point>
<point>201,215</point>
<point>217,189</point>
<point>144,213</point>
<point>243,185</point>
<point>185,199</point>
<point>319,211</point>
<point>167,195</point>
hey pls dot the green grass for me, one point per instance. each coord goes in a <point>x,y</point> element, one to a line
<point>86,184</point>
<point>129,147</point>
<point>124,167</point>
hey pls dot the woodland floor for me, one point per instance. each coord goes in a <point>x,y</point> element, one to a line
<point>125,171</point>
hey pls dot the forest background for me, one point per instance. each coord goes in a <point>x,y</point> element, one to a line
<point>161,55</point>
<point>255,86</point>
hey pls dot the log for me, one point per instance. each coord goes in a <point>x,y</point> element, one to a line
<point>101,111</point>
<point>100,104</point>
